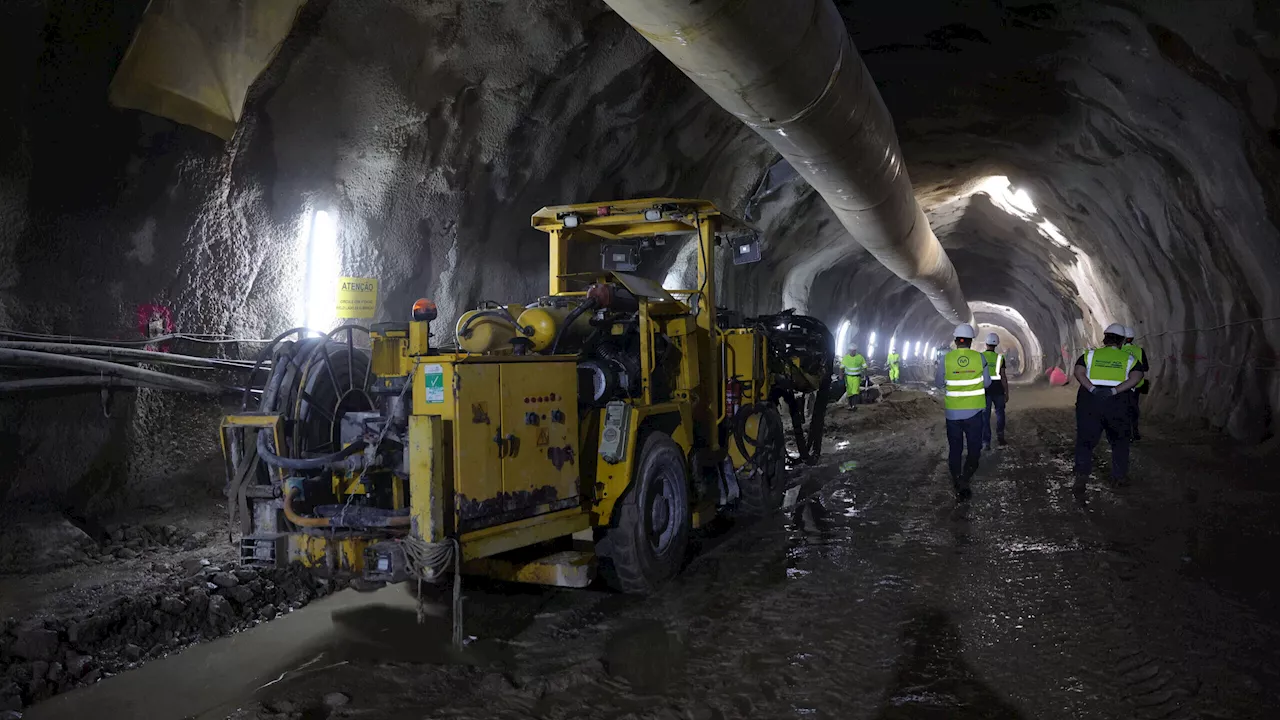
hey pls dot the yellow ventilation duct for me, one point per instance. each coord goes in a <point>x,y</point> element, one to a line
<point>193,60</point>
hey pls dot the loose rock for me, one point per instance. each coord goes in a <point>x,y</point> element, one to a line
<point>224,580</point>
<point>36,644</point>
<point>335,699</point>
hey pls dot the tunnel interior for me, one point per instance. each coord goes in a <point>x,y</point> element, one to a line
<point>1082,163</point>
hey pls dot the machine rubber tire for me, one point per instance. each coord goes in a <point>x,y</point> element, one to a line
<point>761,493</point>
<point>657,501</point>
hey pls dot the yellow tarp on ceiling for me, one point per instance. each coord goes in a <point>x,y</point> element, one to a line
<point>193,60</point>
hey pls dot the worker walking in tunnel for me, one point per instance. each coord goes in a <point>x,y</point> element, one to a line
<point>895,362</point>
<point>854,365</point>
<point>997,392</point>
<point>1141,389</point>
<point>1106,375</point>
<point>964,376</point>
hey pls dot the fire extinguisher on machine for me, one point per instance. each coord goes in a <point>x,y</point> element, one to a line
<point>732,397</point>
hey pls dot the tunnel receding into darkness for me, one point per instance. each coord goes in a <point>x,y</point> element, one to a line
<point>1079,164</point>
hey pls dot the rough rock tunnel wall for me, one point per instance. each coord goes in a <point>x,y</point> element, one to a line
<point>1142,136</point>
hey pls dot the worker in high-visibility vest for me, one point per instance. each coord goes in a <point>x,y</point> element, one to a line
<point>1142,388</point>
<point>1106,375</point>
<point>963,375</point>
<point>997,392</point>
<point>895,361</point>
<point>855,366</point>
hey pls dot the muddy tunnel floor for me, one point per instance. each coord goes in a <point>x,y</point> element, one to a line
<point>876,596</point>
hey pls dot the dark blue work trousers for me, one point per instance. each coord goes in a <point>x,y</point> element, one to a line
<point>961,433</point>
<point>1095,415</point>
<point>996,402</point>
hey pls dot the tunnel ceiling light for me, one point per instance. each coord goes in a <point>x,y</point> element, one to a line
<point>919,345</point>
<point>322,272</point>
<point>841,336</point>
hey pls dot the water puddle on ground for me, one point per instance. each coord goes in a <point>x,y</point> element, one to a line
<point>212,679</point>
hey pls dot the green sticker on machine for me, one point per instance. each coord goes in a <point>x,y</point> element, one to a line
<point>433,378</point>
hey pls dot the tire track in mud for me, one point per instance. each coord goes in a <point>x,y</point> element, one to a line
<point>1072,591</point>
<point>796,616</point>
<point>879,597</point>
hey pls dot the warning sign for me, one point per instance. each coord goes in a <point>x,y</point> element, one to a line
<point>433,381</point>
<point>357,297</point>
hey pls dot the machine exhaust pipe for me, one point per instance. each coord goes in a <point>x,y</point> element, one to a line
<point>790,72</point>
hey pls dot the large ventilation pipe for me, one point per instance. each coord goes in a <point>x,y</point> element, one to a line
<point>790,72</point>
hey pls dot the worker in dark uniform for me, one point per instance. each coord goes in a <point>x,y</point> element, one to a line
<point>963,375</point>
<point>997,392</point>
<point>1140,390</point>
<point>1105,374</point>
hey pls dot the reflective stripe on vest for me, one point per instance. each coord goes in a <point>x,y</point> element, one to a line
<point>1137,353</point>
<point>965,390</point>
<point>853,365</point>
<point>1108,366</point>
<point>995,363</point>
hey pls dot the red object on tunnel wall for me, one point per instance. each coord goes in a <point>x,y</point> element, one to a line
<point>153,321</point>
<point>1056,376</point>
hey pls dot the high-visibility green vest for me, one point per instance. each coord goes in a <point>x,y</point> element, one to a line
<point>894,358</point>
<point>995,363</point>
<point>1109,366</point>
<point>1138,354</point>
<point>964,380</point>
<point>853,364</point>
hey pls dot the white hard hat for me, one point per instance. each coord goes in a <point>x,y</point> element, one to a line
<point>1128,332</point>
<point>1115,329</point>
<point>964,330</point>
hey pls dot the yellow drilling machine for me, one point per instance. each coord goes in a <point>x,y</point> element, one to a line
<point>589,431</point>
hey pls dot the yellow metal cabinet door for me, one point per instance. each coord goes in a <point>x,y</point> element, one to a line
<point>540,423</point>
<point>477,444</point>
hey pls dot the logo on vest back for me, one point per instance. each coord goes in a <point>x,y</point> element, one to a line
<point>963,361</point>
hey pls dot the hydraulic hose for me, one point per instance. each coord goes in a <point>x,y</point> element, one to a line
<point>501,313</point>
<point>302,520</point>
<point>316,463</point>
<point>116,354</point>
<point>88,381</point>
<point>30,358</point>
<point>262,356</point>
<point>587,305</point>
<point>323,522</point>
<point>767,414</point>
<point>206,339</point>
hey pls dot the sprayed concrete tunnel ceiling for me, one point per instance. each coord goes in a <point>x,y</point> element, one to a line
<point>193,60</point>
<point>1080,163</point>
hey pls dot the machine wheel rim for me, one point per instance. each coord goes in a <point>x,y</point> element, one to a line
<point>660,522</point>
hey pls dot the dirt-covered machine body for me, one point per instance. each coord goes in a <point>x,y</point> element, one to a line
<point>590,430</point>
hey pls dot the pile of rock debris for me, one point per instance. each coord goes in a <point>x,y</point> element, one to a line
<point>44,656</point>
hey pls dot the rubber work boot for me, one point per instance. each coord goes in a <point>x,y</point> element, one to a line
<point>1001,441</point>
<point>986,446</point>
<point>1078,486</point>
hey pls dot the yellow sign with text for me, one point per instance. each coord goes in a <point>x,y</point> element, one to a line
<point>357,297</point>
